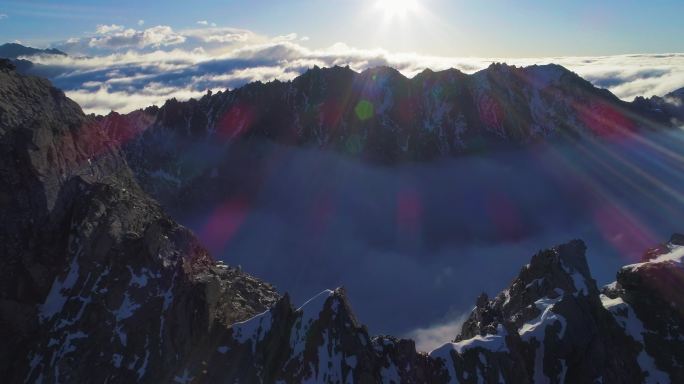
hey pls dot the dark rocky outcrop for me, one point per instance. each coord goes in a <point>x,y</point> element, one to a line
<point>668,109</point>
<point>552,327</point>
<point>551,324</point>
<point>97,283</point>
<point>646,300</point>
<point>319,342</point>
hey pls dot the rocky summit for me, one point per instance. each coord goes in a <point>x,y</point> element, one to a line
<point>100,285</point>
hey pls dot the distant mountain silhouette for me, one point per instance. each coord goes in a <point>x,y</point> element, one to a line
<point>381,115</point>
<point>14,51</point>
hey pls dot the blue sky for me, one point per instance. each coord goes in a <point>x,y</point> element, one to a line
<point>128,54</point>
<point>521,28</point>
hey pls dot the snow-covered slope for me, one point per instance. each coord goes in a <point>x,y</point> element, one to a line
<point>551,325</point>
<point>646,301</point>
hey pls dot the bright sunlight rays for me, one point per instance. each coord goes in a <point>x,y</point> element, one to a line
<point>397,8</point>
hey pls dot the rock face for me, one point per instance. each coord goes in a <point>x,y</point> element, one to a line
<point>551,324</point>
<point>548,326</point>
<point>319,342</point>
<point>378,115</point>
<point>381,115</point>
<point>668,109</point>
<point>646,301</point>
<point>98,284</point>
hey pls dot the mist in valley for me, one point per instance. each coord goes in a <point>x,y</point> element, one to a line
<point>415,244</point>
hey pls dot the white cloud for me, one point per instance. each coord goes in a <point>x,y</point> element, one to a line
<point>103,100</point>
<point>288,37</point>
<point>107,29</point>
<point>116,37</point>
<point>436,335</point>
<point>141,22</point>
<point>161,35</point>
<point>206,23</point>
<point>188,62</point>
<point>221,36</point>
<point>3,16</point>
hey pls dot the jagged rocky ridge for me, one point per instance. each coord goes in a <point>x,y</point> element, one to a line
<point>384,116</point>
<point>98,284</point>
<point>552,324</point>
<point>377,115</point>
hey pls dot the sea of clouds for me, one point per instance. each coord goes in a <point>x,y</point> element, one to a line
<point>414,245</point>
<point>123,69</point>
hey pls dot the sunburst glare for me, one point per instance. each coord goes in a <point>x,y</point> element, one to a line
<point>397,8</point>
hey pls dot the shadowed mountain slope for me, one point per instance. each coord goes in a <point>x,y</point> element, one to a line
<point>98,284</point>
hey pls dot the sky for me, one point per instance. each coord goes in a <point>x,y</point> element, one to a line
<point>492,28</point>
<point>132,54</point>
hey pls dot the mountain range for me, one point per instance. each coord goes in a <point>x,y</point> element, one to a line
<point>180,152</point>
<point>382,116</point>
<point>101,285</point>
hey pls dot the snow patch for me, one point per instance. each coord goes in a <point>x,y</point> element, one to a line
<point>55,300</point>
<point>444,353</point>
<point>625,316</point>
<point>127,308</point>
<point>577,279</point>
<point>537,327</point>
<point>351,361</point>
<point>116,360</point>
<point>185,379</point>
<point>329,361</point>
<point>140,280</point>
<point>254,329</point>
<point>143,367</point>
<point>390,374</point>
<point>309,313</point>
<point>676,256</point>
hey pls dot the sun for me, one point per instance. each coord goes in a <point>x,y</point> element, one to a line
<point>397,8</point>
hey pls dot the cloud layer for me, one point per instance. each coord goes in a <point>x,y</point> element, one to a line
<point>434,336</point>
<point>120,68</point>
<point>414,245</point>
